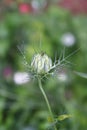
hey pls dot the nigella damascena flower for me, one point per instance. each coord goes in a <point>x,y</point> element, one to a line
<point>41,63</point>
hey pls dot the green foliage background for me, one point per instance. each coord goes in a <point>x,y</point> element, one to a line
<point>22,107</point>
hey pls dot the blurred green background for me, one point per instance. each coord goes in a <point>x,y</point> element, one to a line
<point>26,24</point>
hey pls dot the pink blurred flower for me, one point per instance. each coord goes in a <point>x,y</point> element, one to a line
<point>75,6</point>
<point>7,71</point>
<point>25,8</point>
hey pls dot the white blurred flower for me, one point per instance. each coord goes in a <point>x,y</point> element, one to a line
<point>62,77</point>
<point>41,63</point>
<point>38,4</point>
<point>68,39</point>
<point>21,78</point>
<point>35,4</point>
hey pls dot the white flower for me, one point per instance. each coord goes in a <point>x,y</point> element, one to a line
<point>38,4</point>
<point>35,4</point>
<point>68,39</point>
<point>41,63</point>
<point>21,78</point>
<point>62,77</point>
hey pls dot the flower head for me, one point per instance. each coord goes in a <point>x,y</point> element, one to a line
<point>41,63</point>
<point>42,66</point>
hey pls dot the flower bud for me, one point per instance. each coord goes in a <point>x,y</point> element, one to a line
<point>41,63</point>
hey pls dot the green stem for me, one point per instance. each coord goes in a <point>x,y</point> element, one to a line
<point>47,102</point>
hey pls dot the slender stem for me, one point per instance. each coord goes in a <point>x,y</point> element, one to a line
<point>46,99</point>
